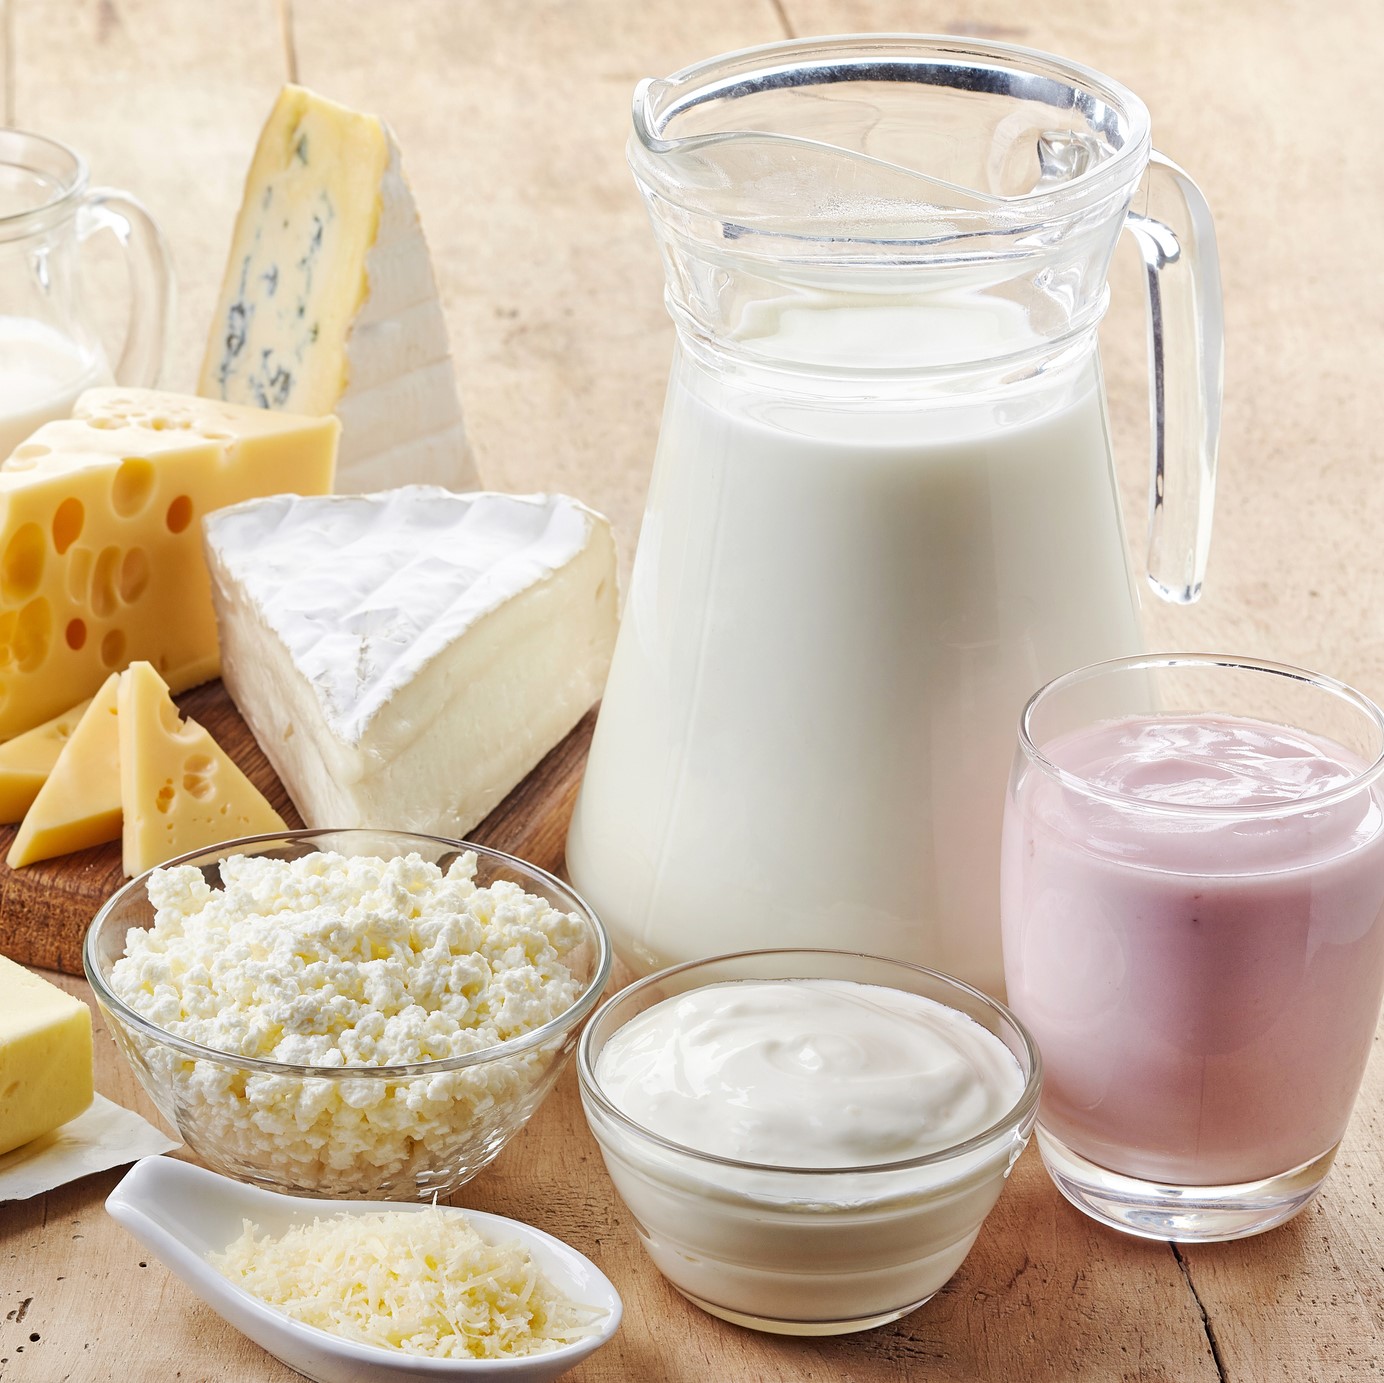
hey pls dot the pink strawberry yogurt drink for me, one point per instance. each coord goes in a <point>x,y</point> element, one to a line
<point>1193,915</point>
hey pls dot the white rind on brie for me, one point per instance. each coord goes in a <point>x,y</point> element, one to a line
<point>406,658</point>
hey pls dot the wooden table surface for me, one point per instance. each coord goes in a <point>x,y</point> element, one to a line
<point>512,117</point>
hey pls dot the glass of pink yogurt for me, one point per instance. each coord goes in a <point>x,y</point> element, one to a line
<point>1192,896</point>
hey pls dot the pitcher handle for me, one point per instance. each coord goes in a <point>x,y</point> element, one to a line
<point>1172,225</point>
<point>151,280</point>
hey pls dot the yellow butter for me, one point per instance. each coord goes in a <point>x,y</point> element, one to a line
<point>100,541</point>
<point>45,1056</point>
<point>28,759</point>
<point>79,805</point>
<point>179,790</point>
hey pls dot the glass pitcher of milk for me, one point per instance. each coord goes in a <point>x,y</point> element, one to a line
<point>883,509</point>
<point>50,347</point>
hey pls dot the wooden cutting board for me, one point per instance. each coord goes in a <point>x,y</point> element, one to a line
<point>46,907</point>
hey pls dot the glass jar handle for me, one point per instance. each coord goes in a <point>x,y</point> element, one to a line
<point>1182,279</point>
<point>151,280</point>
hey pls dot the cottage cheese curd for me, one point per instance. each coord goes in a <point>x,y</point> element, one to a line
<point>330,961</point>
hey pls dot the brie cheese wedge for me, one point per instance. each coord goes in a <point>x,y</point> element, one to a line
<point>406,658</point>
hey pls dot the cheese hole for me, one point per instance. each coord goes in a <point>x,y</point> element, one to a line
<point>133,486</point>
<point>79,574</point>
<point>134,575</point>
<point>103,424</point>
<point>113,648</point>
<point>76,633</point>
<point>199,763</point>
<point>164,800</point>
<point>197,786</point>
<point>21,568</point>
<point>158,424</point>
<point>216,436</point>
<point>32,635</point>
<point>30,451</point>
<point>67,524</point>
<point>103,579</point>
<point>179,514</point>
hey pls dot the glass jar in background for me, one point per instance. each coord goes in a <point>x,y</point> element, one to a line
<point>50,350</point>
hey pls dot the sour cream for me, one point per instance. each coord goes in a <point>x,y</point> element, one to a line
<point>806,1156</point>
<point>809,1073</point>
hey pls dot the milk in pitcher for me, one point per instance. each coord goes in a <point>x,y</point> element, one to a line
<point>829,636</point>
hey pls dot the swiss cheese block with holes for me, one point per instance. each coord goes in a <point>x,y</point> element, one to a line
<point>100,544</point>
<point>79,805</point>
<point>404,659</point>
<point>28,759</point>
<point>329,304</point>
<point>179,790</point>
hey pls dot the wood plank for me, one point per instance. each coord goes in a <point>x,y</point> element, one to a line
<point>512,120</point>
<point>45,908</point>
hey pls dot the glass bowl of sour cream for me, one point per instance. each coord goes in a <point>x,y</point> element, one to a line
<point>808,1141</point>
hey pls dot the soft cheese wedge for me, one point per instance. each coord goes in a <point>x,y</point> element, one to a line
<point>179,789</point>
<point>28,759</point>
<point>45,1056</point>
<point>79,805</point>
<point>100,550</point>
<point>404,659</point>
<point>329,303</point>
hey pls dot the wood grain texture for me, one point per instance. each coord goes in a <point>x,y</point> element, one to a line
<point>45,908</point>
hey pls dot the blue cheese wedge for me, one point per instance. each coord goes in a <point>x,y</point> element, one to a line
<point>329,304</point>
<point>405,658</point>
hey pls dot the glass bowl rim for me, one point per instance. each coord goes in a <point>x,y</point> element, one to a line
<point>537,1037</point>
<point>1360,781</point>
<point>1014,1118</point>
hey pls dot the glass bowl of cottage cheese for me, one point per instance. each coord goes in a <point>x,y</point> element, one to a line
<point>350,1013</point>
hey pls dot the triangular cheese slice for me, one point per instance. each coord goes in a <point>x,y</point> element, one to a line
<point>404,659</point>
<point>79,805</point>
<point>179,789</point>
<point>329,304</point>
<point>28,759</point>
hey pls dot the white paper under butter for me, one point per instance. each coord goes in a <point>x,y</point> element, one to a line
<point>106,1135</point>
<point>406,658</point>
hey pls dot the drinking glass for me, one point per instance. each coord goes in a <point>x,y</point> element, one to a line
<point>1199,954</point>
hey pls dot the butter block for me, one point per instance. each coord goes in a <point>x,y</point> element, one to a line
<point>404,659</point>
<point>329,304</point>
<point>100,544</point>
<point>28,759</point>
<point>79,805</point>
<point>179,789</point>
<point>45,1056</point>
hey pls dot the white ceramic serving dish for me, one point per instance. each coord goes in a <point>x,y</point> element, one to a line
<point>181,1213</point>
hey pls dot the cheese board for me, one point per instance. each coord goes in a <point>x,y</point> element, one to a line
<point>45,908</point>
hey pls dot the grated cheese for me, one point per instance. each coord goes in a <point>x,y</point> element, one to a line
<point>424,1282</point>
